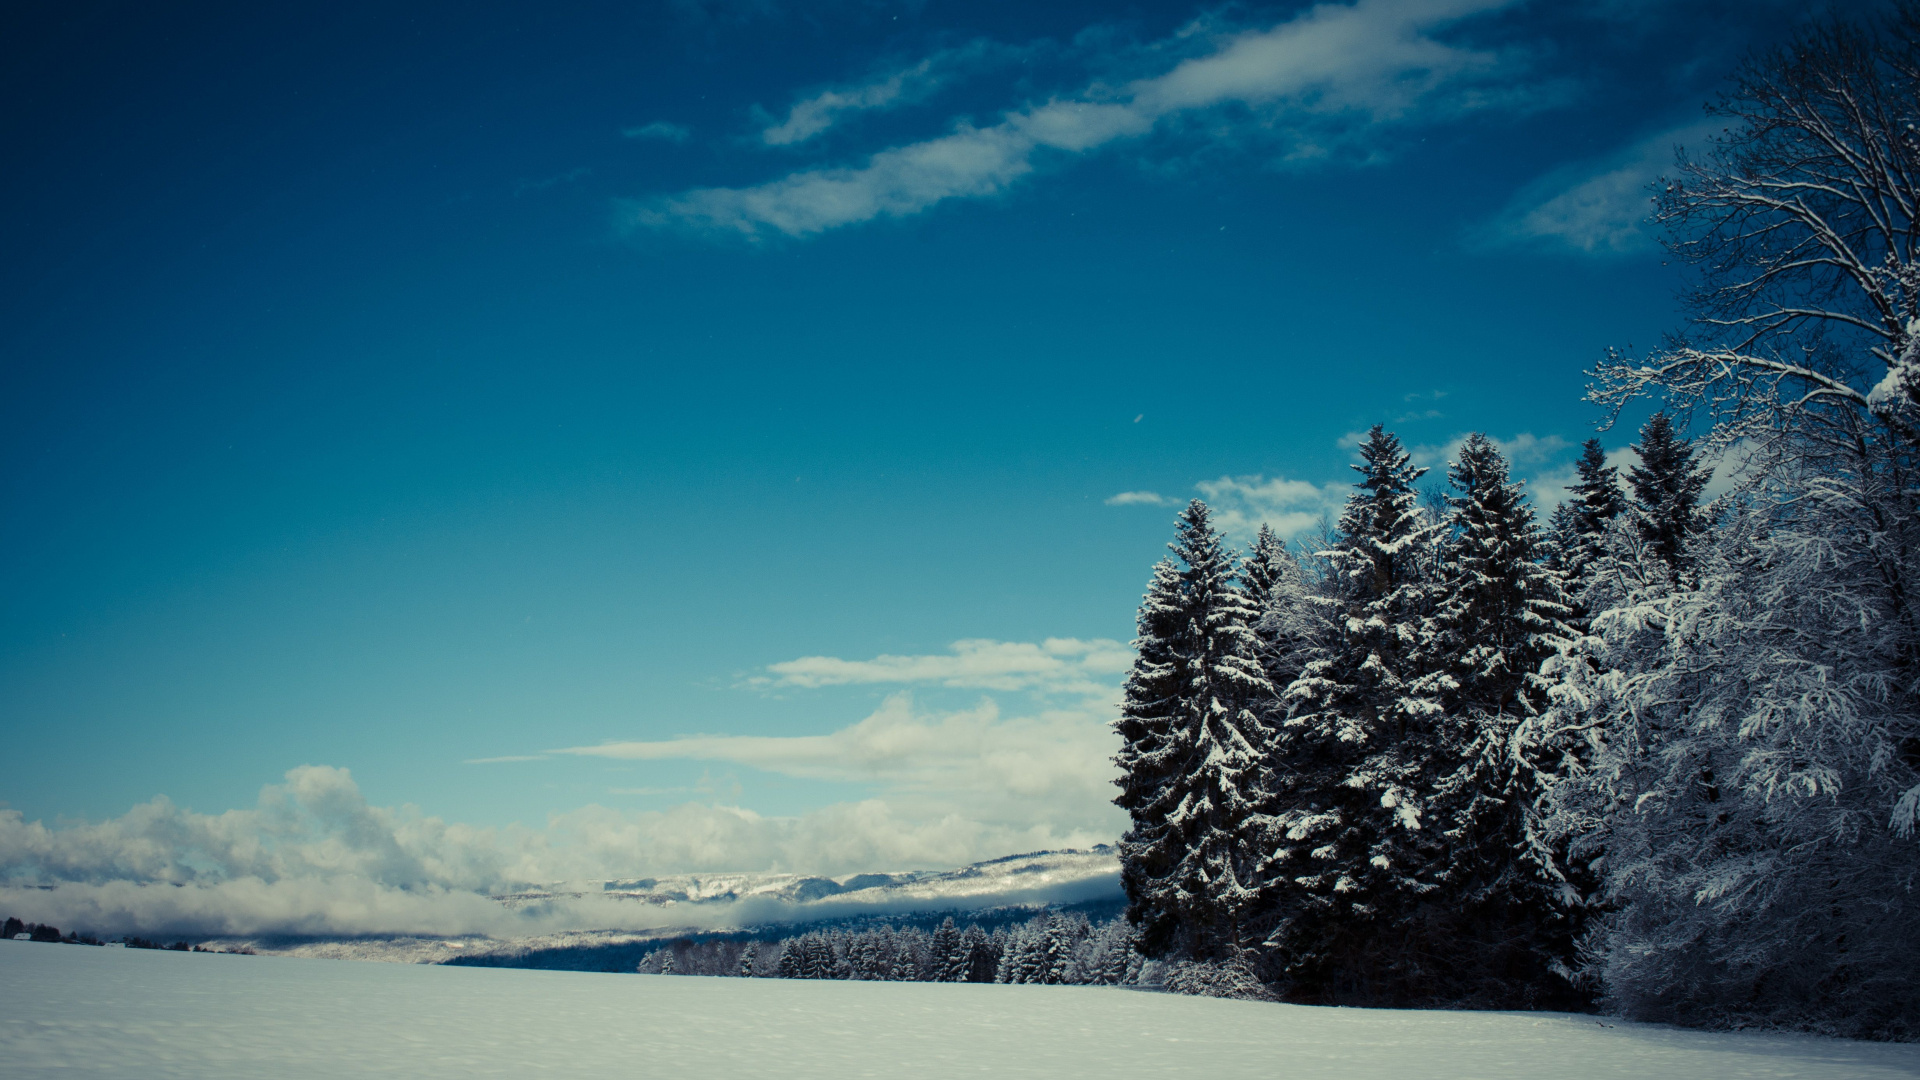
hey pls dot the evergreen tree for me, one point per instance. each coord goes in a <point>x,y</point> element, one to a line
<point>1493,918</point>
<point>1192,751</point>
<point>1117,936</point>
<point>1285,625</point>
<point>1354,851</point>
<point>1054,964</point>
<point>981,957</point>
<point>1502,610</point>
<point>1578,527</point>
<point>1666,492</point>
<point>906,966</point>
<point>941,954</point>
<point>747,957</point>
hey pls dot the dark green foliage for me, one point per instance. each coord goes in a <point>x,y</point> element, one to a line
<point>1666,492</point>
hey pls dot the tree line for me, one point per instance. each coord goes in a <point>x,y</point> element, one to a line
<point>1657,753</point>
<point>1054,947</point>
<point>12,927</point>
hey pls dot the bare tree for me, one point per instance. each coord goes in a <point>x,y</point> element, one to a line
<point>1803,220</point>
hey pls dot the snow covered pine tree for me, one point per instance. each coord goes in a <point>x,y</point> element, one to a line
<point>1192,751</point>
<point>1580,523</point>
<point>1354,855</point>
<point>1666,493</point>
<point>1499,921</point>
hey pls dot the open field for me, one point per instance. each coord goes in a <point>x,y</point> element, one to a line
<point>70,1010</point>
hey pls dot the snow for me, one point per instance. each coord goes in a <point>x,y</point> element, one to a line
<point>73,1010</point>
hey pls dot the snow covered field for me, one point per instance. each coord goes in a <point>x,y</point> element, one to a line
<point>71,1010</point>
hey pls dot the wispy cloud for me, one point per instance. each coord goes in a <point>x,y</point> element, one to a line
<point>1314,80</point>
<point>816,113</point>
<point>1599,208</point>
<point>1059,665</point>
<point>1048,767</point>
<point>1138,498</point>
<point>660,130</point>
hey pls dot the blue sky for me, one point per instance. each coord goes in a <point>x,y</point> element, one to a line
<point>442,392</point>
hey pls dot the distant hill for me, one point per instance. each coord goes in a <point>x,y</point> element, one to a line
<point>743,904</point>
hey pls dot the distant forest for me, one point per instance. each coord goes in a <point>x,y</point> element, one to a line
<point>13,928</point>
<point>1659,753</point>
<point>1053,948</point>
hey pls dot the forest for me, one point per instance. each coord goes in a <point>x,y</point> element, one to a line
<point>1658,753</point>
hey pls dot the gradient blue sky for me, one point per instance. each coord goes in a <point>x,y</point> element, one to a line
<point>393,386</point>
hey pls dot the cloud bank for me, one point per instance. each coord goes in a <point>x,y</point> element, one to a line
<point>313,857</point>
<point>1317,81</point>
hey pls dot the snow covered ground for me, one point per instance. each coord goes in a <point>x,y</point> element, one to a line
<point>71,1010</point>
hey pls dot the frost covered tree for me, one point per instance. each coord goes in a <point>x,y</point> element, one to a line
<point>1748,787</point>
<point>1192,752</point>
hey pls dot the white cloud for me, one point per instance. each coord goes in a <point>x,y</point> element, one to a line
<point>1600,209</point>
<point>1521,451</point>
<point>813,115</point>
<point>1063,665</point>
<point>970,162</point>
<point>973,764</point>
<point>1138,498</point>
<point>1316,80</point>
<point>1241,504</point>
<point>660,130</point>
<point>1549,489</point>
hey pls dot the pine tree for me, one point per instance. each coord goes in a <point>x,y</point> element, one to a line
<point>1494,915</point>
<point>1666,492</point>
<point>1192,751</point>
<point>940,952</point>
<point>1013,958</point>
<point>1117,936</point>
<point>979,951</point>
<point>1285,625</point>
<point>1502,609</point>
<point>1056,956</point>
<point>1354,850</point>
<point>747,957</point>
<point>1597,498</point>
